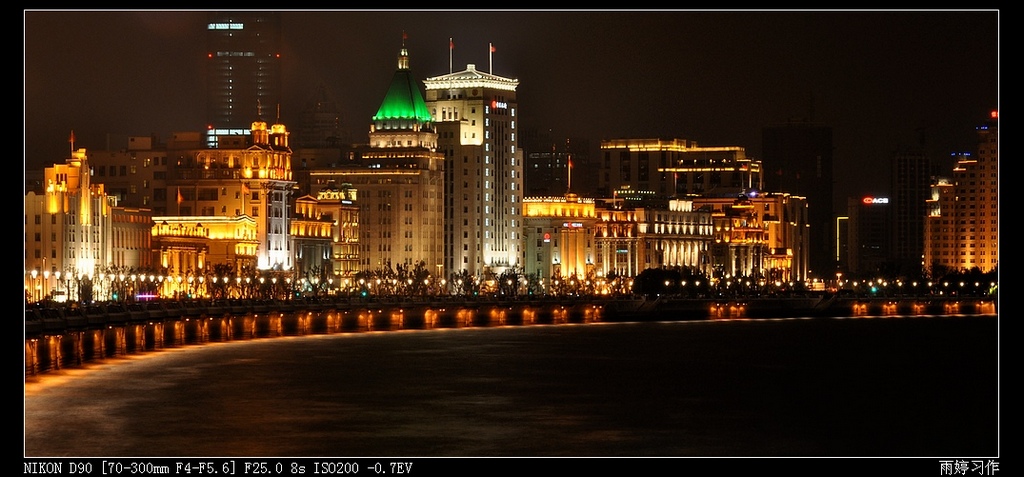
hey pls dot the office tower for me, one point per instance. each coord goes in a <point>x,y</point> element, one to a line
<point>797,157</point>
<point>910,189</point>
<point>476,115</point>
<point>243,70</point>
<point>399,178</point>
<point>869,237</point>
<point>962,227</point>
<point>675,167</point>
<point>319,140</point>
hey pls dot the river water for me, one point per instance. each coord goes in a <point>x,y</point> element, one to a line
<point>822,387</point>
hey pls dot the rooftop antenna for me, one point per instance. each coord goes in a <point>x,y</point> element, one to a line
<point>490,59</point>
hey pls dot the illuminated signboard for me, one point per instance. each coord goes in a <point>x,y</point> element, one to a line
<point>499,105</point>
<point>875,200</point>
<point>547,237</point>
<point>572,225</point>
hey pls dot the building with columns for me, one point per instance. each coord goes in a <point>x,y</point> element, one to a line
<point>631,237</point>
<point>758,234</point>
<point>559,236</point>
<point>326,232</point>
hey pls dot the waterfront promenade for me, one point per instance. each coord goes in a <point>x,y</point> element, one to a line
<point>71,335</point>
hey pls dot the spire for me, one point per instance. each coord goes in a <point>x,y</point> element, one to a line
<point>403,55</point>
<point>72,141</point>
<point>403,99</point>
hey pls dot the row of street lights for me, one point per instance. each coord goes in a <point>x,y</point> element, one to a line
<point>66,286</point>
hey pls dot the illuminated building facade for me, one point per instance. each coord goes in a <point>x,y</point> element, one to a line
<point>311,240</point>
<point>74,231</point>
<point>326,231</point>
<point>675,167</point>
<point>630,238</point>
<point>243,66</point>
<point>246,175</point>
<point>399,177</point>
<point>185,245</point>
<point>962,227</point>
<point>763,235</point>
<point>559,236</point>
<point>476,115</point>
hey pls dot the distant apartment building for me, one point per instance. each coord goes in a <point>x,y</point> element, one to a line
<point>675,167</point>
<point>962,227</point>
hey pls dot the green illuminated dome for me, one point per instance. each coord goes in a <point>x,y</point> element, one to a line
<point>404,102</point>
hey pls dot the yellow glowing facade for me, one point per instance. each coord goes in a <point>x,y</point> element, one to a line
<point>235,180</point>
<point>631,239</point>
<point>74,231</point>
<point>559,236</point>
<point>962,228</point>
<point>759,235</point>
<point>185,245</point>
<point>315,233</point>
<point>340,206</point>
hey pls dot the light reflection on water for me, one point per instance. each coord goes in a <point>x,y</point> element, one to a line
<point>821,387</point>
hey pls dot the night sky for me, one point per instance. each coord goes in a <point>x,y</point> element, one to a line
<point>880,79</point>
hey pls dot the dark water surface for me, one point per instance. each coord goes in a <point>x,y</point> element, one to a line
<point>869,387</point>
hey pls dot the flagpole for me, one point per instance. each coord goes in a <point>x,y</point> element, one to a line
<point>490,58</point>
<point>451,49</point>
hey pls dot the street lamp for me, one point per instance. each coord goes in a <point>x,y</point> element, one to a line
<point>35,285</point>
